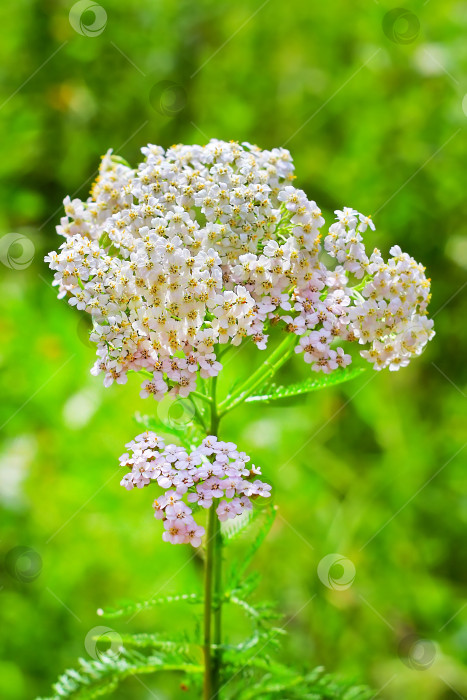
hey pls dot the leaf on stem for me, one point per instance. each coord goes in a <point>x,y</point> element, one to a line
<point>322,381</point>
<point>131,608</point>
<point>280,681</point>
<point>188,434</point>
<point>153,641</point>
<point>101,677</point>
<point>253,532</point>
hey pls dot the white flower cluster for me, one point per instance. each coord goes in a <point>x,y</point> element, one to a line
<point>213,470</point>
<point>391,311</point>
<point>207,245</point>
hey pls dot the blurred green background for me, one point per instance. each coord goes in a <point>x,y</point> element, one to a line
<point>372,107</point>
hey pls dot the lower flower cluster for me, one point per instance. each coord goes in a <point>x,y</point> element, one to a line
<point>214,470</point>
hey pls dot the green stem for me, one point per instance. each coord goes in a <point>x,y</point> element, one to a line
<point>215,417</point>
<point>208,575</point>
<point>201,396</point>
<point>198,414</point>
<point>269,367</point>
<point>213,594</point>
<point>218,600</point>
<point>361,285</point>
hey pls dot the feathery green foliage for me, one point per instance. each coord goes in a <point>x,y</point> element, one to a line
<point>100,677</point>
<point>249,668</point>
<point>131,608</point>
<point>188,434</point>
<point>322,381</point>
<point>246,676</point>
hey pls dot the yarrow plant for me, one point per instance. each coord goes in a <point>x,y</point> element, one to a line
<point>197,250</point>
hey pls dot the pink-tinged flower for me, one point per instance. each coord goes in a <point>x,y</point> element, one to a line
<point>151,471</point>
<point>262,489</point>
<point>114,376</point>
<point>125,460</point>
<point>209,366</point>
<point>244,503</point>
<point>208,445</point>
<point>174,367</point>
<point>237,505</point>
<point>183,481</point>
<point>306,346</point>
<point>320,340</point>
<point>139,479</point>
<point>159,505</point>
<point>171,497</point>
<point>242,458</point>
<point>257,488</point>
<point>188,461</point>
<point>178,511</point>
<point>325,362</point>
<point>261,341</point>
<point>166,481</point>
<point>127,482</point>
<point>226,449</point>
<point>149,439</point>
<point>212,488</point>
<point>186,385</point>
<point>295,325</point>
<point>208,469</point>
<point>153,388</point>
<point>231,485</point>
<point>204,502</point>
<point>226,511</point>
<point>175,532</point>
<point>173,452</point>
<point>341,358</point>
<point>194,533</point>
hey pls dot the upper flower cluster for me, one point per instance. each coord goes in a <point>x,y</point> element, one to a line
<point>201,246</point>
<point>213,470</point>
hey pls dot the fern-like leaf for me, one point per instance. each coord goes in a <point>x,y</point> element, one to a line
<point>188,435</point>
<point>100,677</point>
<point>279,681</point>
<point>259,613</point>
<point>274,393</point>
<point>153,641</point>
<point>132,608</point>
<point>253,531</point>
<point>230,529</point>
